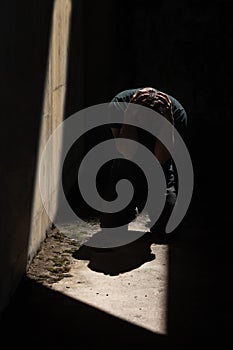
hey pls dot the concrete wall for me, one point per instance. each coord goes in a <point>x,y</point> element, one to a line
<point>52,116</point>
<point>34,39</point>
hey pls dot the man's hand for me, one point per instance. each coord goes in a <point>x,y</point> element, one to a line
<point>160,102</point>
<point>164,106</point>
<point>157,100</point>
<point>144,97</point>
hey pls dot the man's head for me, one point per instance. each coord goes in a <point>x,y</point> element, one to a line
<point>154,99</point>
<point>146,97</point>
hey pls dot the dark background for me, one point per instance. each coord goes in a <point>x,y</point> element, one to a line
<point>183,48</point>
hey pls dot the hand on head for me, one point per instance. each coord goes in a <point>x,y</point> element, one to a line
<point>157,100</point>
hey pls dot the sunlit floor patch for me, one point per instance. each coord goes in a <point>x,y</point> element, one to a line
<point>128,282</point>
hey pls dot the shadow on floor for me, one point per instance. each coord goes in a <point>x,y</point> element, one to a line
<point>113,261</point>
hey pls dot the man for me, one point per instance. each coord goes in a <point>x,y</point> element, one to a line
<point>173,111</point>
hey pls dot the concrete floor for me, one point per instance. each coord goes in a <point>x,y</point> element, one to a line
<point>149,293</point>
<point>122,282</point>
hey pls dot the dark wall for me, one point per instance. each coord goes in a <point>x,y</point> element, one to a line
<point>183,48</point>
<point>24,37</point>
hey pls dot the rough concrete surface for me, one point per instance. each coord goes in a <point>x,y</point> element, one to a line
<point>121,281</point>
<point>151,292</point>
<point>138,295</point>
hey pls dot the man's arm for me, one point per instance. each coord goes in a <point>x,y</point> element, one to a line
<point>128,131</point>
<point>165,108</point>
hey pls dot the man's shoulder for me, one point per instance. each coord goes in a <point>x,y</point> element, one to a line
<point>125,95</point>
<point>176,104</point>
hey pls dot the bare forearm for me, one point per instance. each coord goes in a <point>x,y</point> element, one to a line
<point>161,152</point>
<point>126,132</point>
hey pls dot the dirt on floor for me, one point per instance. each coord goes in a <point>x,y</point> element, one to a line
<point>53,261</point>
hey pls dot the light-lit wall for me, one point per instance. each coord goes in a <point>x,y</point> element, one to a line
<point>34,39</point>
<point>52,116</point>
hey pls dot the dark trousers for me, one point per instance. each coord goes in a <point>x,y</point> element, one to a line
<point>124,169</point>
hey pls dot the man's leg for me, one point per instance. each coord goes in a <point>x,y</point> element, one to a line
<point>120,169</point>
<point>160,225</point>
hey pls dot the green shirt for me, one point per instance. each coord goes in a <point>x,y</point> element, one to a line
<point>118,105</point>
